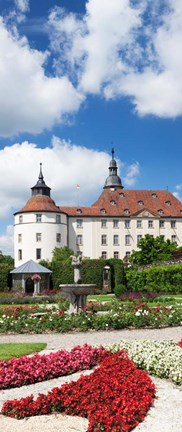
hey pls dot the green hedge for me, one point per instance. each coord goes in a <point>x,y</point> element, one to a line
<point>5,277</point>
<point>164,278</point>
<point>91,272</point>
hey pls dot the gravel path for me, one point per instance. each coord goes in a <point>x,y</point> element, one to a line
<point>164,417</point>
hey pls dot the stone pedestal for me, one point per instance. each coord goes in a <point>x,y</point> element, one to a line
<point>36,288</point>
<point>77,295</point>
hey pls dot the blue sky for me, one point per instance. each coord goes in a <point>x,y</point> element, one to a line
<point>78,77</point>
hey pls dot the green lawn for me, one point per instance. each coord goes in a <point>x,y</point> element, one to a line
<point>9,350</point>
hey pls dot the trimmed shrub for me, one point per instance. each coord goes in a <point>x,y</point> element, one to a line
<point>5,277</point>
<point>165,278</point>
<point>119,289</point>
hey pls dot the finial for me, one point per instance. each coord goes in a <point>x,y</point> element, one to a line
<point>40,175</point>
<point>112,152</point>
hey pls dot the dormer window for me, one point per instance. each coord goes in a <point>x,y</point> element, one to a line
<point>154,195</point>
<point>168,203</point>
<point>103,211</point>
<point>126,211</point>
<point>140,203</point>
<point>160,212</point>
<point>122,195</point>
<point>79,211</point>
<point>112,202</point>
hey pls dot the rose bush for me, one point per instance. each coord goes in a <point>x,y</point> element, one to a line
<point>124,393</point>
<point>138,315</point>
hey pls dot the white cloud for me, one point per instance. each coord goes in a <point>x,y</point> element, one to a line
<point>121,49</point>
<point>6,241</point>
<point>22,5</point>
<point>30,101</point>
<point>132,174</point>
<point>64,166</point>
<point>178,192</point>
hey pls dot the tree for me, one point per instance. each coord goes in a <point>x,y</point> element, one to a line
<point>152,249</point>
<point>6,259</point>
<point>61,254</point>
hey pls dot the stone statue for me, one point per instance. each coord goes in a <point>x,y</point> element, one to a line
<point>76,260</point>
<point>76,263</point>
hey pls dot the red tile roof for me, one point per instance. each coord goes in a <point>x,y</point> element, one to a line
<point>117,202</point>
<point>40,203</point>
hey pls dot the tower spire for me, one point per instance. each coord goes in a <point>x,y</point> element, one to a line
<point>41,177</point>
<point>41,188</point>
<point>113,180</point>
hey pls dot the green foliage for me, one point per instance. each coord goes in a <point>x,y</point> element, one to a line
<point>118,275</point>
<point>6,259</point>
<point>62,273</point>
<point>5,277</point>
<point>61,254</point>
<point>152,249</point>
<point>92,271</point>
<point>46,263</point>
<point>165,278</point>
<point>119,289</point>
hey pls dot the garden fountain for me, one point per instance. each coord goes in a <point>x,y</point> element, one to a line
<point>77,292</point>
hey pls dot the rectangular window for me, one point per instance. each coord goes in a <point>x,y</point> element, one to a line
<point>38,237</point>
<point>104,255</point>
<point>58,238</point>
<point>116,255</point>
<point>115,240</point>
<point>127,223</point>
<point>38,218</point>
<point>38,254</point>
<point>139,224</point>
<point>127,240</point>
<point>58,219</point>
<point>19,238</point>
<point>161,224</point>
<point>115,223</point>
<point>79,240</point>
<point>20,254</point>
<point>150,224</point>
<point>104,239</point>
<point>79,223</point>
<point>128,254</point>
<point>173,238</point>
<point>139,237</point>
<point>103,223</point>
<point>20,219</point>
<point>173,224</point>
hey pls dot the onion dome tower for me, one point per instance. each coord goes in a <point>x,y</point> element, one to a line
<point>113,180</point>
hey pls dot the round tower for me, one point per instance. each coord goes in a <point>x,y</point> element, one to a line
<point>39,226</point>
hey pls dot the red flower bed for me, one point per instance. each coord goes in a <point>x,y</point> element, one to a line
<point>28,370</point>
<point>115,397</point>
<point>180,343</point>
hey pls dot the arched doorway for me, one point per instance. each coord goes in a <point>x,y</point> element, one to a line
<point>29,286</point>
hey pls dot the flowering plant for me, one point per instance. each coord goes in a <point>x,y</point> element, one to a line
<point>162,359</point>
<point>124,392</point>
<point>28,370</point>
<point>36,277</point>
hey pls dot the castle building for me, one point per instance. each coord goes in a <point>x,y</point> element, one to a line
<point>110,228</point>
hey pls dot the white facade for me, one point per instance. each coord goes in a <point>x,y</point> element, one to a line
<point>110,228</point>
<point>110,237</point>
<point>38,239</point>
